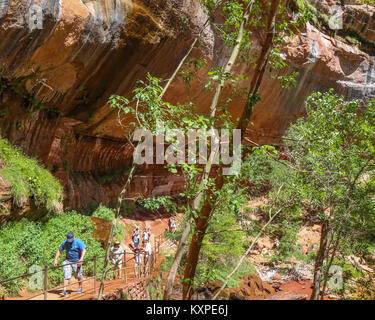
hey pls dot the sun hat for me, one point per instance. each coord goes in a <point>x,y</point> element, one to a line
<point>70,237</point>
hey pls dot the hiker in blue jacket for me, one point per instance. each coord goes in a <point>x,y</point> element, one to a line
<point>75,252</point>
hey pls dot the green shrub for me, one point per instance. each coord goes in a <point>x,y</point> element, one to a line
<point>104,213</point>
<point>109,214</point>
<point>25,243</point>
<point>167,263</point>
<point>29,179</point>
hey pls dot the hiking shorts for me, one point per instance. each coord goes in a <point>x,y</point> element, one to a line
<point>117,264</point>
<point>68,269</point>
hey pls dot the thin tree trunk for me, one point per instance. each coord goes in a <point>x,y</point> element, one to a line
<point>109,242</point>
<point>252,97</point>
<point>185,234</point>
<point>176,261</point>
<point>195,247</point>
<point>179,67</point>
<point>319,261</point>
<point>235,52</point>
<point>202,221</point>
<point>208,166</point>
<point>318,273</point>
<point>335,246</point>
<point>182,245</point>
<point>186,56</point>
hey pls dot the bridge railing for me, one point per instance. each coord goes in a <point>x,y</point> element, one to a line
<point>143,265</point>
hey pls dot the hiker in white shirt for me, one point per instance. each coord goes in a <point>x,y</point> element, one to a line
<point>148,248</point>
<point>145,236</point>
<point>116,255</point>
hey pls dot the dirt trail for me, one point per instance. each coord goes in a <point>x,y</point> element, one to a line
<point>88,291</point>
<point>144,219</point>
<point>157,223</point>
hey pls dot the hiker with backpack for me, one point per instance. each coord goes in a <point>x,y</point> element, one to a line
<point>136,237</point>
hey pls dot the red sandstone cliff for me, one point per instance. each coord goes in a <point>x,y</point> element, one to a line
<point>90,49</point>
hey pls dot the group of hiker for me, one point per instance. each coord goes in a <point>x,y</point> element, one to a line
<point>76,251</point>
<point>145,251</point>
<point>146,236</point>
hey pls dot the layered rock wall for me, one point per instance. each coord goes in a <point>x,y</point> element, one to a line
<point>56,80</point>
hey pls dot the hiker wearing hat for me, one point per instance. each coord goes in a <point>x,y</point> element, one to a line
<point>116,255</point>
<point>75,252</point>
<point>136,237</point>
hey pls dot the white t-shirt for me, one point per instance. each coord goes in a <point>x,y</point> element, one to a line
<point>148,248</point>
<point>116,255</point>
<point>145,236</point>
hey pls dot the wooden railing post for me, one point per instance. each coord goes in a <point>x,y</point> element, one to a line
<point>152,261</point>
<point>135,267</point>
<point>95,270</point>
<point>45,281</point>
<point>159,245</point>
<point>125,269</point>
<point>156,254</point>
<point>138,267</point>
